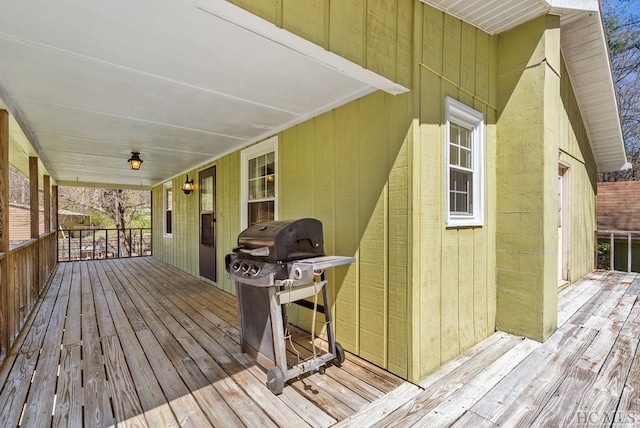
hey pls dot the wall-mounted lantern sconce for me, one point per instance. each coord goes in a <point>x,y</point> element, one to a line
<point>135,162</point>
<point>187,187</point>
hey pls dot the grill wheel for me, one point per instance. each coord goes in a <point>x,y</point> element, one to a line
<point>275,379</point>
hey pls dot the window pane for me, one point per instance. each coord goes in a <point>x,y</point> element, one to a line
<point>252,168</point>
<point>168,225</point>
<point>460,192</point>
<point>465,158</point>
<point>270,182</point>
<point>465,138</point>
<point>206,237</point>
<point>260,211</point>
<point>169,199</point>
<point>453,155</point>
<point>206,194</point>
<point>271,163</point>
<point>453,133</point>
<point>256,190</point>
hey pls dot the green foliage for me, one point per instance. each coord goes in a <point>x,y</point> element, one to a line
<point>604,255</point>
<point>101,221</point>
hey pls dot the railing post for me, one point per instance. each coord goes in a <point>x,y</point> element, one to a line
<point>93,243</point>
<point>628,251</point>
<point>130,243</point>
<point>80,246</point>
<point>612,252</point>
<point>118,240</point>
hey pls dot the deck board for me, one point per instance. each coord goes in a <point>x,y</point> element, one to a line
<point>137,342</point>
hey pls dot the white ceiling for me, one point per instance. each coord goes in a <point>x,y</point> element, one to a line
<point>586,54</point>
<point>182,82</point>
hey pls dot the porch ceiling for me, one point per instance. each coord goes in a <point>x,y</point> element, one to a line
<point>182,82</point>
<point>584,46</point>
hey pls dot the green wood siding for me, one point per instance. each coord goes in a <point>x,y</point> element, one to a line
<point>454,273</point>
<point>182,249</point>
<point>373,171</point>
<point>575,152</point>
<point>376,34</point>
<point>349,169</point>
<point>527,167</point>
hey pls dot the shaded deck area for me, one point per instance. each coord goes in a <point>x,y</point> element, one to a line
<point>136,342</point>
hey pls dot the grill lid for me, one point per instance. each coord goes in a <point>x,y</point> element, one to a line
<point>281,241</point>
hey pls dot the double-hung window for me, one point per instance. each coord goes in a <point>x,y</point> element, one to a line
<point>464,164</point>
<point>259,178</point>
<point>167,203</point>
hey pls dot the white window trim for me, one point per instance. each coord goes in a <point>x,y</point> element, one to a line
<point>165,187</point>
<point>267,146</point>
<point>463,115</point>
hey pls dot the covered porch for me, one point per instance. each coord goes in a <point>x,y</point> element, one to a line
<point>139,342</point>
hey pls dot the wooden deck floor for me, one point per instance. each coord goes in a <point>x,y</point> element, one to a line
<point>135,342</point>
<point>586,374</point>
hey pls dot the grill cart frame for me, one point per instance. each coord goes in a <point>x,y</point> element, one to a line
<point>264,287</point>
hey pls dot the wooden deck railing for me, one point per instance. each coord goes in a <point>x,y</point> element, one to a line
<point>90,244</point>
<point>618,250</point>
<point>28,268</point>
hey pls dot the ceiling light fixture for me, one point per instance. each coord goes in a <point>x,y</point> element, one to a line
<point>187,187</point>
<point>135,162</point>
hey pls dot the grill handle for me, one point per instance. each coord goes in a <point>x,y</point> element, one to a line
<point>256,252</point>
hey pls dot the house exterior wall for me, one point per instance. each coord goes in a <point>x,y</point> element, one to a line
<point>376,34</point>
<point>527,178</point>
<point>373,171</point>
<point>576,155</point>
<point>454,279</point>
<point>540,128</point>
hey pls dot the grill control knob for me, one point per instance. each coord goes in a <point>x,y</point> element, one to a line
<point>235,266</point>
<point>245,268</point>
<point>254,270</point>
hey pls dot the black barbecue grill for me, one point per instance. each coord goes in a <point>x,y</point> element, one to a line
<point>274,264</point>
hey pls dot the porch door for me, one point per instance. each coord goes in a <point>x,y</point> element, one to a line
<point>208,223</point>
<point>560,240</point>
<point>563,224</point>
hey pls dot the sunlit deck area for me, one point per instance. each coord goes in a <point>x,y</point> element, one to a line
<point>136,342</point>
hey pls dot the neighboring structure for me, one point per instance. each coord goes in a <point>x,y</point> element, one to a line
<point>452,147</point>
<point>20,223</point>
<point>619,206</point>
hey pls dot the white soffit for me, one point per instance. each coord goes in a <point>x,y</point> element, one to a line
<point>182,82</point>
<point>586,54</point>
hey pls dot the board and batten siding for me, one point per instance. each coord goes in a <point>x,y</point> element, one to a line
<point>349,168</point>
<point>454,271</point>
<point>576,154</point>
<point>182,248</point>
<point>376,34</point>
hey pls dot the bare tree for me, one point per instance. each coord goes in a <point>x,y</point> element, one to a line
<point>623,31</point>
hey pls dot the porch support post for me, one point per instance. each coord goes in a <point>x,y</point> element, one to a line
<point>34,197</point>
<point>46,184</point>
<point>54,208</point>
<point>4,229</point>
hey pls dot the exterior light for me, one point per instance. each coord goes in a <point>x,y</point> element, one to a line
<point>135,162</point>
<point>187,187</point>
